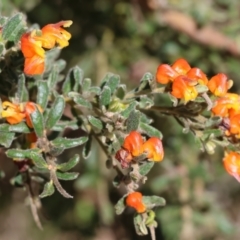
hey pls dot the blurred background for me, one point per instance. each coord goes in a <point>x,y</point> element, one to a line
<point>130,38</point>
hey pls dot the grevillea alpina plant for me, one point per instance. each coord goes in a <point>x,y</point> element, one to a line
<point>34,116</point>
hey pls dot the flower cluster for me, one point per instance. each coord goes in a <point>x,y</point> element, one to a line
<point>134,146</point>
<point>184,80</point>
<point>33,44</point>
<point>17,112</point>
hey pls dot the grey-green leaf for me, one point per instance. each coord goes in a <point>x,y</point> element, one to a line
<point>125,113</point>
<point>86,84</point>
<point>37,159</point>
<point>95,122</point>
<point>150,131</point>
<point>153,201</point>
<point>105,96</point>
<point>48,190</point>
<point>70,164</point>
<point>56,112</point>
<point>78,77</point>
<point>67,176</point>
<point>22,92</point>
<point>37,121</point>
<point>69,142</point>
<point>43,93</point>
<point>6,139</point>
<point>120,206</point>
<point>133,121</point>
<point>13,28</point>
<point>145,168</point>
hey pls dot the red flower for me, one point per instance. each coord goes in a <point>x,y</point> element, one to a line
<point>154,149</point>
<point>232,164</point>
<point>134,200</point>
<point>183,88</point>
<point>219,85</point>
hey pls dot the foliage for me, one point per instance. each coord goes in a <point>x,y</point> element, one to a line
<point>106,113</point>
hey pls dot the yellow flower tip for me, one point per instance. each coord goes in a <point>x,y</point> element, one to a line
<point>229,83</point>
<point>67,23</point>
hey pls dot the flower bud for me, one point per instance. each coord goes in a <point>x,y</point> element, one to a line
<point>134,200</point>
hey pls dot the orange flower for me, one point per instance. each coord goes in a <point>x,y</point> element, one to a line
<point>227,105</point>
<point>181,66</point>
<point>183,88</point>
<point>232,164</point>
<point>53,34</point>
<point>198,75</point>
<point>219,85</point>
<point>154,149</point>
<point>32,45</point>
<point>12,112</point>
<point>33,52</point>
<point>16,113</point>
<point>234,125</point>
<point>134,200</point>
<point>30,107</point>
<point>165,74</point>
<point>133,143</point>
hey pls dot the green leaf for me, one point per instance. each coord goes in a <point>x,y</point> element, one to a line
<point>48,190</point>
<point>62,125</point>
<point>43,93</point>
<point>79,100</point>
<point>145,81</point>
<point>16,153</point>
<point>214,121</point>
<point>145,168</point>
<point>68,83</point>
<point>125,113</point>
<point>33,154</point>
<point>19,128</point>
<point>87,148</point>
<point>95,90</point>
<point>67,176</point>
<point>6,139</point>
<point>153,201</point>
<point>139,225</point>
<point>19,180</point>
<point>53,77</point>
<point>37,159</point>
<point>105,96</point>
<point>120,206</point>
<point>150,131</point>
<point>61,64</point>
<point>70,164</point>
<point>86,84</point>
<point>69,142</point>
<point>145,102</point>
<point>78,77</point>
<point>121,91</point>
<point>133,121</point>
<point>13,28</point>
<point>56,112</point>
<point>113,82</point>
<point>211,133</point>
<point>37,121</point>
<point>22,92</point>
<point>95,122</point>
